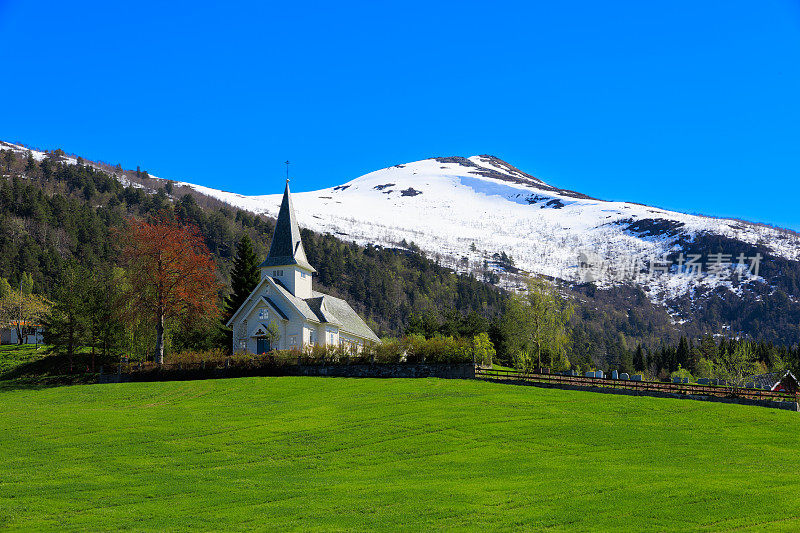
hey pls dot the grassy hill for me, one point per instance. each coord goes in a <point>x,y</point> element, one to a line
<point>326,453</point>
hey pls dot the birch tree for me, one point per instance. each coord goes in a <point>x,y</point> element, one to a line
<point>536,323</point>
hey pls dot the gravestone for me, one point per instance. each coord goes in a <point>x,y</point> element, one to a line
<point>591,374</point>
<point>614,374</point>
<point>686,380</point>
<point>636,377</point>
<point>624,376</point>
<point>598,374</point>
<point>676,380</point>
<point>749,385</point>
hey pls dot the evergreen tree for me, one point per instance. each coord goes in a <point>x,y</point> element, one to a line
<point>65,328</point>
<point>8,158</point>
<point>5,288</point>
<point>682,353</point>
<point>244,276</point>
<point>638,359</point>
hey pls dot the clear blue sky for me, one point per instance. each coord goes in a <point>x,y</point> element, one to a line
<point>689,105</point>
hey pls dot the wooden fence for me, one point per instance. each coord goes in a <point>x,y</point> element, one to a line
<point>726,391</point>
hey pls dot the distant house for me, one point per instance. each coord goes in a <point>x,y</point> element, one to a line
<point>775,381</point>
<point>284,301</point>
<point>31,334</point>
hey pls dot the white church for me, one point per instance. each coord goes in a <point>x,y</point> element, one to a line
<point>284,297</point>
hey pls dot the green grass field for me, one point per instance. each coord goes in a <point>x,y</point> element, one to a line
<point>335,454</point>
<point>13,356</point>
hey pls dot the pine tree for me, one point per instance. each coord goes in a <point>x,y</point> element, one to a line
<point>244,276</point>
<point>65,328</point>
<point>638,359</point>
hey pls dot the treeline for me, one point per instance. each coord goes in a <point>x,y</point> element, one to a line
<point>706,357</point>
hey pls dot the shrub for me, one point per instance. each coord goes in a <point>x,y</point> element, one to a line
<point>193,356</point>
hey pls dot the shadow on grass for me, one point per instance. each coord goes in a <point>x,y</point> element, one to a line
<point>48,371</point>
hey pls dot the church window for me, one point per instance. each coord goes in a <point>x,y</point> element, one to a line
<point>312,337</point>
<point>277,273</point>
<point>263,314</point>
<point>293,340</point>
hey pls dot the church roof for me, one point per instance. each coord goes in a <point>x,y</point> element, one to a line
<point>338,311</point>
<point>321,308</point>
<point>287,247</point>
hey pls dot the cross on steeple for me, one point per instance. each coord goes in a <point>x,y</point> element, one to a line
<point>287,171</point>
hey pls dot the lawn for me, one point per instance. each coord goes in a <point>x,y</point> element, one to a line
<point>13,355</point>
<point>334,454</point>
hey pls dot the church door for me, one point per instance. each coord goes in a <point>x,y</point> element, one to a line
<point>262,345</point>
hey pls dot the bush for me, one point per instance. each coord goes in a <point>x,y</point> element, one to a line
<point>197,356</point>
<point>682,373</point>
<point>437,349</point>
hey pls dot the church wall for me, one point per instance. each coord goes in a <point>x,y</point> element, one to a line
<point>352,342</point>
<point>247,325</point>
<point>296,279</point>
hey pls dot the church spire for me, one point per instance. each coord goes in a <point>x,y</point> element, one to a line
<point>287,247</point>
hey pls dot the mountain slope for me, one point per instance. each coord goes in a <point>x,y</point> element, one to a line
<point>445,205</point>
<point>470,213</point>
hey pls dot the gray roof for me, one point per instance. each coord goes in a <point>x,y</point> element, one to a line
<point>321,308</point>
<point>299,303</point>
<point>278,309</point>
<point>338,311</point>
<point>326,309</point>
<point>287,247</point>
<point>770,379</point>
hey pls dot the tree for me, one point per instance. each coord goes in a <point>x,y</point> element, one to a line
<point>736,363</point>
<point>245,276</point>
<point>30,164</point>
<point>100,312</point>
<point>5,288</point>
<point>483,349</point>
<point>171,274</point>
<point>536,323</point>
<point>65,329</point>
<point>8,158</point>
<point>26,284</point>
<point>639,364</point>
<point>20,310</point>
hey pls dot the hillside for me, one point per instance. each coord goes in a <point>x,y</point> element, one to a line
<point>472,213</point>
<point>56,209</point>
<point>341,454</point>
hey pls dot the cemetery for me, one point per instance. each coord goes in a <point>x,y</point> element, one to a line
<point>781,395</point>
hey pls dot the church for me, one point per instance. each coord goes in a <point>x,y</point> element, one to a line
<point>284,302</point>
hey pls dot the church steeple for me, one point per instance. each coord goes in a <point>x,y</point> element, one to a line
<point>287,248</point>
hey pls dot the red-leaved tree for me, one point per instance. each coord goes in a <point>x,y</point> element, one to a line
<point>171,273</point>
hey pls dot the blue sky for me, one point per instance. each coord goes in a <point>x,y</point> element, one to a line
<point>688,105</point>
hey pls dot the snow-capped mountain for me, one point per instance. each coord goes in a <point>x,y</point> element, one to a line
<point>472,213</point>
<point>476,207</point>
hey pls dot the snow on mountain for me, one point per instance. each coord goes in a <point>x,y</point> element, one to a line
<point>468,211</point>
<point>445,205</point>
<point>39,155</point>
